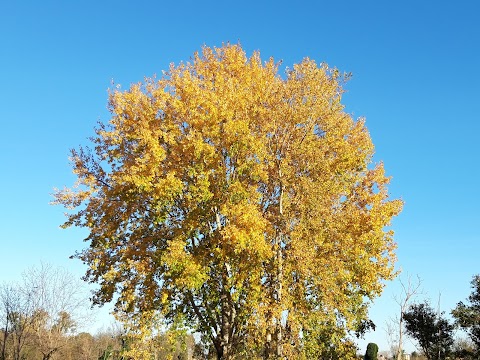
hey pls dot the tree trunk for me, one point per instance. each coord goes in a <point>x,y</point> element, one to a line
<point>225,341</point>
<point>400,338</point>
<point>279,346</point>
<point>279,259</point>
<point>275,350</point>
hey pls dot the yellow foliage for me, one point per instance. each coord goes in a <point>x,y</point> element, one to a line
<point>235,196</point>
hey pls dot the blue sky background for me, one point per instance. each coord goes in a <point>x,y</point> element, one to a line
<point>415,79</point>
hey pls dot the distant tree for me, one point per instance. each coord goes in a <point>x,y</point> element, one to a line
<point>464,348</point>
<point>50,334</point>
<point>395,325</point>
<point>8,304</point>
<point>17,308</point>
<point>61,304</point>
<point>415,355</point>
<point>82,347</point>
<point>40,312</point>
<point>433,333</point>
<point>467,316</point>
<point>372,351</point>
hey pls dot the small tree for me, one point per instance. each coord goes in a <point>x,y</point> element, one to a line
<point>61,303</point>
<point>467,316</point>
<point>372,351</point>
<point>433,333</point>
<point>395,325</point>
<point>17,308</point>
<point>40,312</point>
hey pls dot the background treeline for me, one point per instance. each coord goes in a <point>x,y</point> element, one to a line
<point>436,336</point>
<point>42,315</point>
<point>110,344</point>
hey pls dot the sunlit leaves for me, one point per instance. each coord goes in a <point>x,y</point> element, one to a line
<point>239,198</point>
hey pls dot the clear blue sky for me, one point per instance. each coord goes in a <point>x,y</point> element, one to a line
<point>415,79</point>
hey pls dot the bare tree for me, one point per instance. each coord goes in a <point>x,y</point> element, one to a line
<point>395,325</point>
<point>7,302</point>
<point>17,306</point>
<point>41,311</point>
<point>61,304</point>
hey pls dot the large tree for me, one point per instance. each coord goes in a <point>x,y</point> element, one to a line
<point>244,200</point>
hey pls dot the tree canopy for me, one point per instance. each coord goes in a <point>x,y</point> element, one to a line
<point>467,316</point>
<point>433,332</point>
<point>244,201</point>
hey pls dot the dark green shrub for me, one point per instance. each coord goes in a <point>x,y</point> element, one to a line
<point>372,350</point>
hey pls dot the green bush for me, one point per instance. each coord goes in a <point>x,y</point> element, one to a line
<point>372,350</point>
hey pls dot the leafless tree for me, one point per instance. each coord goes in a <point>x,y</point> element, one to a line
<point>7,302</point>
<point>41,311</point>
<point>17,306</point>
<point>61,305</point>
<point>395,325</point>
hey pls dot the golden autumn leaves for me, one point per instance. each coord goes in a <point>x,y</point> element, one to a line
<point>240,199</point>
